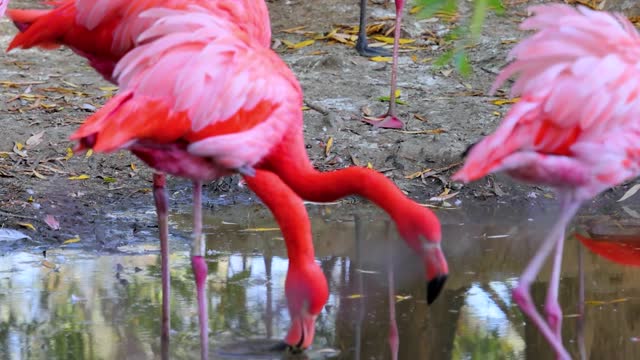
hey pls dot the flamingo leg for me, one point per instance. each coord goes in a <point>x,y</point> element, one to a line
<point>394,340</point>
<point>361,44</point>
<point>552,308</point>
<point>162,210</point>
<point>390,119</point>
<point>199,266</point>
<point>522,294</point>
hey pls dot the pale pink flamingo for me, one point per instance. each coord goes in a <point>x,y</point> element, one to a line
<point>575,127</point>
<point>390,119</point>
<point>227,104</point>
<point>3,6</point>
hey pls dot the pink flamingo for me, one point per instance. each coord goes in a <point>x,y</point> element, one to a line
<point>390,119</point>
<point>103,31</point>
<point>574,129</point>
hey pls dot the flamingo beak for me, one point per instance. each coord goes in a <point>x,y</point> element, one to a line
<point>434,286</point>
<point>437,270</point>
<point>301,334</point>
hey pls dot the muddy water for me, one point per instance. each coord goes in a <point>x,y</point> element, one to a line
<point>89,304</point>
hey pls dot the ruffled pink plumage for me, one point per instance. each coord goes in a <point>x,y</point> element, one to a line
<point>576,123</point>
<point>198,80</point>
<point>105,30</point>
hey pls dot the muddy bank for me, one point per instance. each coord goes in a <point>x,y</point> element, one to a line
<point>47,94</point>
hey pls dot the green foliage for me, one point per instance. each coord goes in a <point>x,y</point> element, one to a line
<point>462,35</point>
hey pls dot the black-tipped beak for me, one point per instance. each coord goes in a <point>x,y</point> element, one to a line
<point>434,286</point>
<point>467,150</point>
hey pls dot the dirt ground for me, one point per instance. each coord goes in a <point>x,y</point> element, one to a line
<point>47,94</point>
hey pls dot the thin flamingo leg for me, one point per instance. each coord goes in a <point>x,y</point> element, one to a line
<point>390,119</point>
<point>552,308</point>
<point>199,266</point>
<point>522,294</point>
<point>394,340</point>
<point>162,210</point>
<point>361,44</point>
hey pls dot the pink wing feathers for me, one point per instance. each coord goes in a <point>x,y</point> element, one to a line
<point>214,87</point>
<point>579,81</point>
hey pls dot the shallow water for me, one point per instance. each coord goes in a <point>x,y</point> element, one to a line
<point>106,305</point>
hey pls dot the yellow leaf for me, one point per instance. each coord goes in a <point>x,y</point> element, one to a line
<point>327,147</point>
<point>79,177</point>
<point>69,154</point>
<point>108,88</point>
<point>354,296</point>
<point>89,153</point>
<point>133,166</point>
<point>417,174</point>
<point>595,302</point>
<point>70,83</point>
<point>72,240</point>
<point>28,226</point>
<point>30,199</point>
<point>381,59</point>
<point>38,175</point>
<point>496,113</point>
<point>416,9</point>
<point>260,229</point>
<point>302,44</point>
<point>288,43</point>
<point>19,146</point>
<point>501,102</point>
<point>305,108</point>
<point>402,298</point>
<point>369,165</point>
<point>389,40</point>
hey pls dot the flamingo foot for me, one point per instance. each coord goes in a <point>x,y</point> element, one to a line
<point>367,51</point>
<point>386,121</point>
<point>522,297</point>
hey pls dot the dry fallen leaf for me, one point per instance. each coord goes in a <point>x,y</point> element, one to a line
<point>80,177</point>
<point>327,147</point>
<point>634,189</point>
<point>304,43</point>
<point>72,240</point>
<point>18,148</point>
<point>35,139</point>
<point>69,154</point>
<point>27,225</point>
<point>501,102</point>
<point>381,59</point>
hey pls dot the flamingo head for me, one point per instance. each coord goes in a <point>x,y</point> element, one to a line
<point>307,292</point>
<point>420,229</point>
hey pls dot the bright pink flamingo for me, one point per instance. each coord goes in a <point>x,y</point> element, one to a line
<point>574,129</point>
<point>226,104</point>
<point>390,119</point>
<point>103,31</point>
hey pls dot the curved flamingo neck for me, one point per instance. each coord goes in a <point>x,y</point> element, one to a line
<point>289,160</point>
<point>290,213</point>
